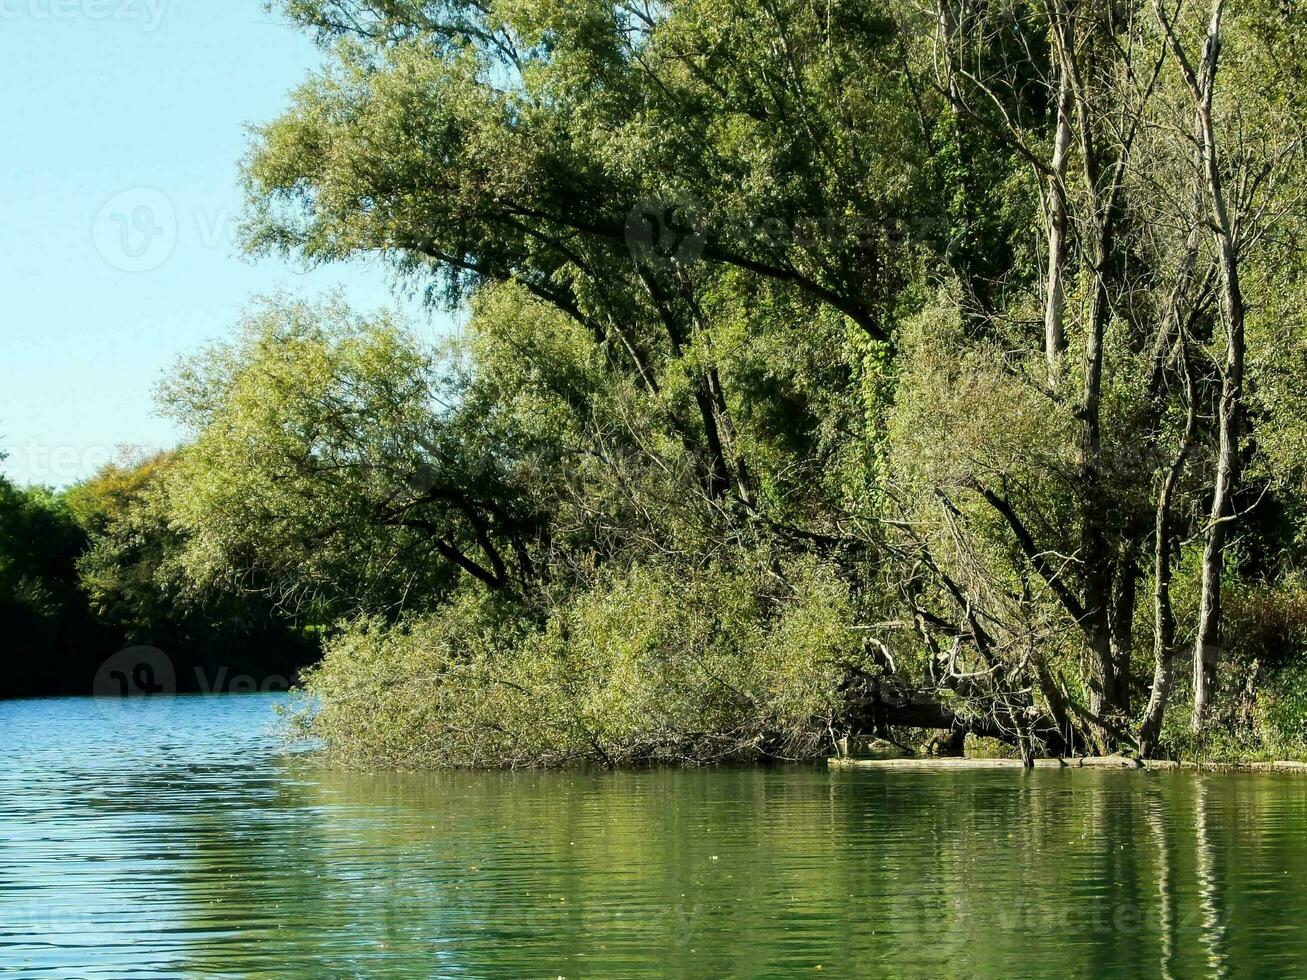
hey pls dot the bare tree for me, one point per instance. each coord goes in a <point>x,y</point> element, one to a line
<point>1200,79</point>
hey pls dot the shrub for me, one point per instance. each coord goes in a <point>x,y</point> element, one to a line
<point>654,665</point>
<point>1282,712</point>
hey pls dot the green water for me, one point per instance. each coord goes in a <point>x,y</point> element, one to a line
<point>170,838</point>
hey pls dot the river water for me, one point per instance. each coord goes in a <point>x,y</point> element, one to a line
<point>173,837</point>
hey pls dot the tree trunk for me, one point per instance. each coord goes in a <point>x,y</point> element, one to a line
<point>885,703</point>
<point>1125,590</point>
<point>1163,614</point>
<point>1094,549</point>
<point>1054,298</point>
<point>1207,647</point>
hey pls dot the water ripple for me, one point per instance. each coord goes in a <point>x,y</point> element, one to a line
<point>171,837</point>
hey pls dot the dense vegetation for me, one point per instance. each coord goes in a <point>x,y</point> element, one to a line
<point>52,641</point>
<point>827,368</point>
<point>94,569</point>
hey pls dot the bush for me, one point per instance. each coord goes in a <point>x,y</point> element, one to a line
<point>1260,711</point>
<point>654,665</point>
<point>1282,712</point>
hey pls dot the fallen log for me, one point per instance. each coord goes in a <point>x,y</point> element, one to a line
<point>879,704</point>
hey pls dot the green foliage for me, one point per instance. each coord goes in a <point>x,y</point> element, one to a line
<point>38,533</point>
<point>51,635</point>
<point>134,576</point>
<point>654,665</point>
<point>873,396</point>
<point>837,458</point>
<point>128,568</point>
<point>1282,712</point>
<point>329,449</point>
<point>98,567</point>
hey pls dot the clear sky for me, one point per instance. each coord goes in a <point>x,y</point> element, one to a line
<point>121,125</point>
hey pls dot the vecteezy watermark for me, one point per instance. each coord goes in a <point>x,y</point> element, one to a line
<point>55,465</point>
<point>136,229</point>
<point>135,672</point>
<point>667,231</point>
<point>222,681</point>
<point>147,672</point>
<point>148,13</point>
<point>139,229</point>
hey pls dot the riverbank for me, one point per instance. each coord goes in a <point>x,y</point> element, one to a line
<point>1085,762</point>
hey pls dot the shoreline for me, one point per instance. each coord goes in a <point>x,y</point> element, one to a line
<point>1081,762</point>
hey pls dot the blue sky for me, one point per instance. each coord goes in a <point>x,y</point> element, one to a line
<point>121,126</point>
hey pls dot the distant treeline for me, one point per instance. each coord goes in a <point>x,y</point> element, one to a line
<point>86,573</point>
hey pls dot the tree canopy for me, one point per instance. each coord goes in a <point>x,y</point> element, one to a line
<point>823,369</point>
<point>976,306</point>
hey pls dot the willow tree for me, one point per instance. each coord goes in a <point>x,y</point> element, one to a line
<point>521,148</point>
<point>946,299</point>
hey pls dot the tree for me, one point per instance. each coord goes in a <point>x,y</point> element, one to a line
<point>53,640</point>
<point>946,300</point>
<point>132,576</point>
<point>331,465</point>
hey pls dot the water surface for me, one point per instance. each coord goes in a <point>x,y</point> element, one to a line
<point>170,837</point>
